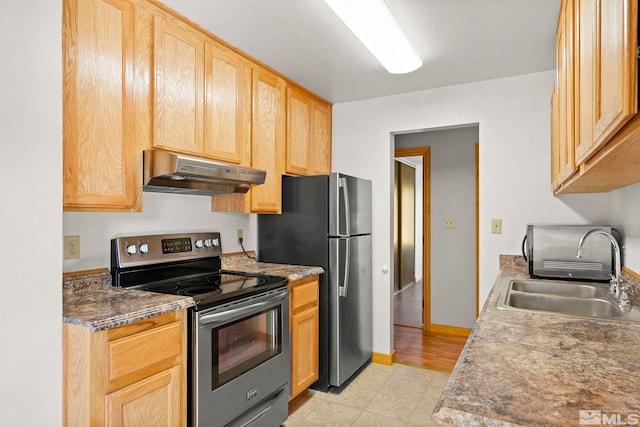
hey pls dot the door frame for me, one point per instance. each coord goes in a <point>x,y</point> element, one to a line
<point>425,153</point>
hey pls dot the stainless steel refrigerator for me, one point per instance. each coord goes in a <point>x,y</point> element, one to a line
<point>326,221</point>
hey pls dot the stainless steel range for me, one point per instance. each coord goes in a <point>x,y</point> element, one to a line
<point>239,357</point>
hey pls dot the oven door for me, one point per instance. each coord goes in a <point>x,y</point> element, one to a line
<point>241,366</point>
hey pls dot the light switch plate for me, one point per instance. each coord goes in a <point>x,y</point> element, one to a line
<point>496,226</point>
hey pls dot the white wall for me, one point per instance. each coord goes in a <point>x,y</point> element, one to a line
<point>624,208</point>
<point>162,213</point>
<point>31,213</point>
<point>514,119</point>
<point>453,195</point>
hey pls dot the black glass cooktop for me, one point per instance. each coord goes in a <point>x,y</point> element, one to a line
<point>196,280</point>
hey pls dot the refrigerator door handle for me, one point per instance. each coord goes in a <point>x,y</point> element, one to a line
<point>342,182</point>
<point>342,290</point>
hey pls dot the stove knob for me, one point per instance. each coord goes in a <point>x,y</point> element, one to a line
<point>131,249</point>
<point>199,243</point>
<point>215,242</point>
<point>143,248</point>
<point>207,243</point>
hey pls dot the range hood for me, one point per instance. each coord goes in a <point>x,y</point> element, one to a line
<point>166,172</point>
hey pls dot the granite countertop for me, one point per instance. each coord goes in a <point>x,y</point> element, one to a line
<point>244,264</point>
<point>89,300</point>
<point>523,368</point>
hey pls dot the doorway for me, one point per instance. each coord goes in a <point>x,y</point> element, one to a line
<point>449,286</point>
<point>411,306</point>
<point>408,235</point>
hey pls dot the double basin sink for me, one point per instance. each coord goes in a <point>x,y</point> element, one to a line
<point>567,298</point>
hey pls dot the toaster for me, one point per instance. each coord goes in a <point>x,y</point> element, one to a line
<point>550,252</point>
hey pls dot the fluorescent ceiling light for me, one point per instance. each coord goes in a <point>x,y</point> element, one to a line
<point>373,24</point>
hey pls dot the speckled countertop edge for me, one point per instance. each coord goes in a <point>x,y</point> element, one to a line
<point>89,300</point>
<point>523,368</point>
<point>104,308</point>
<point>244,264</point>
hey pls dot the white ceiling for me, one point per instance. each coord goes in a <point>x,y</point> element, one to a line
<point>459,41</point>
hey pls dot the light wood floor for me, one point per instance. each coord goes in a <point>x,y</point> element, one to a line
<point>427,349</point>
<point>413,345</point>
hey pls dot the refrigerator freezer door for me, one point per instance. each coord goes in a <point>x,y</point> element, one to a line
<point>349,205</point>
<point>351,315</point>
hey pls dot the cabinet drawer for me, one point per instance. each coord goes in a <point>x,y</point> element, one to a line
<point>304,294</point>
<point>144,351</point>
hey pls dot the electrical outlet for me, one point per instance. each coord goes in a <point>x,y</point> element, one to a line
<point>496,226</point>
<point>239,235</point>
<point>449,223</point>
<point>71,247</point>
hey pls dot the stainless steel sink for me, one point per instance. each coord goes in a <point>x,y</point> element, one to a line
<point>587,307</point>
<point>561,289</point>
<point>567,298</point>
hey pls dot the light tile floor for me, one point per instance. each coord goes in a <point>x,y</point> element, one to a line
<point>397,395</point>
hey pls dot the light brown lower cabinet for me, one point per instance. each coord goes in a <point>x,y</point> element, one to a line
<point>304,324</point>
<point>131,375</point>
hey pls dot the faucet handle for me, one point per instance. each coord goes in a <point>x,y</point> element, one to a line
<point>614,285</point>
<point>624,302</point>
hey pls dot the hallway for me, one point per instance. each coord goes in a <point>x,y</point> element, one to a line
<point>407,306</point>
<point>413,345</point>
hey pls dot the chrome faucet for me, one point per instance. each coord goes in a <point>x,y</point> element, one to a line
<point>618,289</point>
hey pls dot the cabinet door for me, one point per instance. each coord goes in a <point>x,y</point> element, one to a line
<point>178,87</point>
<point>605,71</point>
<point>101,151</point>
<point>304,333</point>
<point>228,106</point>
<point>566,135</point>
<point>304,349</point>
<point>268,139</point>
<point>585,74</point>
<point>153,402</point>
<point>554,141</point>
<point>299,117</point>
<point>616,77</point>
<point>320,148</point>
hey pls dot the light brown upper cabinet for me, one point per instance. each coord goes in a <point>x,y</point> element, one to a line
<point>565,163</point>
<point>179,59</point>
<point>298,131</point>
<point>555,141</point>
<point>606,96</point>
<point>308,150</point>
<point>105,116</point>
<point>138,75</point>
<point>320,149</point>
<point>606,125</point>
<point>268,139</point>
<point>202,95</point>
<point>268,131</point>
<point>228,106</point>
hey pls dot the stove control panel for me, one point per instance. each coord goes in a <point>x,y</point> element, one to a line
<point>134,251</point>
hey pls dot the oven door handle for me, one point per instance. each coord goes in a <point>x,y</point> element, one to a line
<point>226,315</point>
